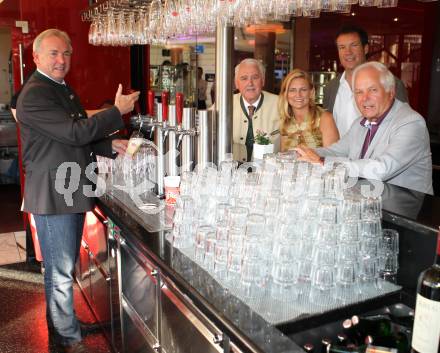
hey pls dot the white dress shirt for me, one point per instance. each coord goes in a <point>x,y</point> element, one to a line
<point>255,104</point>
<point>345,110</point>
<point>50,78</point>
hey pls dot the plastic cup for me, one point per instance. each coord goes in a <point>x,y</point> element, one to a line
<point>171,189</point>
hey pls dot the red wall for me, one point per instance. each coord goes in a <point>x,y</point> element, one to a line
<point>9,10</point>
<point>95,71</point>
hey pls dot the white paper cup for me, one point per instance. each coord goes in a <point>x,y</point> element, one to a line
<point>171,189</point>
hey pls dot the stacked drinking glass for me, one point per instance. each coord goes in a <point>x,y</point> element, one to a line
<point>288,230</point>
<point>135,174</point>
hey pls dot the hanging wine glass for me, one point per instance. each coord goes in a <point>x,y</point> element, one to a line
<point>100,31</point>
<point>111,33</point>
<point>344,6</point>
<point>120,28</point>
<point>367,3</point>
<point>294,7</point>
<point>311,8</point>
<point>260,9</point>
<point>282,11</point>
<point>387,3</point>
<point>245,12</point>
<point>155,15</point>
<point>329,5</point>
<point>145,21</point>
<point>92,32</point>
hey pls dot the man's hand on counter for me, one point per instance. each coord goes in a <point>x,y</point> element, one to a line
<point>119,146</point>
<point>125,103</point>
<point>308,154</point>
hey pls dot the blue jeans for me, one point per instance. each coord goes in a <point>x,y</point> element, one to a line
<point>60,240</point>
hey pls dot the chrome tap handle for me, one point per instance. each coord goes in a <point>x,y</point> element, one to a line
<point>179,140</point>
<point>153,127</point>
<point>165,134</point>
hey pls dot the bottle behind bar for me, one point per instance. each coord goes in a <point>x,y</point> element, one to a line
<point>398,341</point>
<point>405,321</point>
<point>342,339</point>
<point>325,345</point>
<point>353,336</point>
<point>308,347</point>
<point>426,331</point>
<point>376,326</point>
<point>344,349</point>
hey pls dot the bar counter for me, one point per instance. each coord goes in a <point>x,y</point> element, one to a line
<point>210,318</point>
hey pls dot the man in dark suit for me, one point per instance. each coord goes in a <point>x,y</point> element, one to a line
<point>59,144</point>
<point>352,45</point>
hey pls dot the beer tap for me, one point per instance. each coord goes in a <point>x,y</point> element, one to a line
<point>150,100</point>
<point>175,117</point>
<point>154,122</point>
<point>187,135</point>
<point>144,120</point>
<point>171,141</point>
<point>185,128</point>
<point>165,110</point>
<point>179,112</point>
<point>159,139</point>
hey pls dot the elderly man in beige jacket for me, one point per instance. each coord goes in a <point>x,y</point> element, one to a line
<point>254,109</point>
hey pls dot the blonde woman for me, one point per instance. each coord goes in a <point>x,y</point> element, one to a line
<point>302,121</point>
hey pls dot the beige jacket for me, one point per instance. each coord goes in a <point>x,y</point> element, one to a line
<point>266,119</point>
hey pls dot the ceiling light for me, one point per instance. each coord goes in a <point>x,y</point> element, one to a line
<point>269,27</point>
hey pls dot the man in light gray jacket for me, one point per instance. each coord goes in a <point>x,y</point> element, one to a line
<point>390,142</point>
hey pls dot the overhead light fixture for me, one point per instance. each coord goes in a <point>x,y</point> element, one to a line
<point>269,27</point>
<point>395,19</point>
<point>353,13</point>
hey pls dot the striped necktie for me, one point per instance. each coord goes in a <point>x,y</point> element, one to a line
<point>250,133</point>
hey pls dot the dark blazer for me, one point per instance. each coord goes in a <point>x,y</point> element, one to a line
<point>55,131</point>
<point>332,87</point>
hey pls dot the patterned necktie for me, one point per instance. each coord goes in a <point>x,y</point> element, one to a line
<point>250,133</point>
<point>372,127</point>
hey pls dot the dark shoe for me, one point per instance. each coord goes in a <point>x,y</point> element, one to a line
<point>89,328</point>
<point>54,339</point>
<point>53,342</point>
<point>78,347</point>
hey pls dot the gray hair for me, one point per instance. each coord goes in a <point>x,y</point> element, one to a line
<point>52,32</point>
<point>386,78</point>
<point>251,61</point>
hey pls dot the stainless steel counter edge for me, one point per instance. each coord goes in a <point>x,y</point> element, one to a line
<point>138,235</point>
